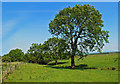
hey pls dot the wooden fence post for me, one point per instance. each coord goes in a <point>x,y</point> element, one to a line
<point>6,71</point>
<point>10,69</point>
<point>1,75</point>
<point>15,66</point>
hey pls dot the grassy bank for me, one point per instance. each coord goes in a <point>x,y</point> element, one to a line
<point>94,68</point>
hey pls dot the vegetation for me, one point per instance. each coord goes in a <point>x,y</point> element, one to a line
<point>6,65</point>
<point>81,26</point>
<point>14,55</point>
<point>94,68</point>
<point>38,54</point>
<point>6,58</point>
<point>52,49</point>
<point>58,48</point>
<point>8,68</point>
<point>77,31</point>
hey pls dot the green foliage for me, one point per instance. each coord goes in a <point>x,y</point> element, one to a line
<point>79,30</point>
<point>62,73</point>
<point>81,26</point>
<point>52,49</point>
<point>6,58</point>
<point>38,54</point>
<point>13,55</point>
<point>58,48</point>
<point>16,55</point>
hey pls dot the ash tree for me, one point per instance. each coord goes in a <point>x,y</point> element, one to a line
<point>81,26</point>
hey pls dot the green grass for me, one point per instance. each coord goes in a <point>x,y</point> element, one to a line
<point>6,65</point>
<point>62,73</point>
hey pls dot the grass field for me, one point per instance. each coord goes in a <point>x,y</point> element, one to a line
<point>6,65</point>
<point>94,68</point>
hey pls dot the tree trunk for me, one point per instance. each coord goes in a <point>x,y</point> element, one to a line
<point>56,62</point>
<point>74,47</point>
<point>72,61</point>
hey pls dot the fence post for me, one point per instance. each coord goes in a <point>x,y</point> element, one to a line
<point>13,68</point>
<point>1,75</point>
<point>1,69</point>
<point>10,69</point>
<point>6,71</point>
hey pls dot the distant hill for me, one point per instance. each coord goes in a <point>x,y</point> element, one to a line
<point>104,53</point>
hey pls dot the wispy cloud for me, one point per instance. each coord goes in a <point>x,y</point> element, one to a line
<point>8,26</point>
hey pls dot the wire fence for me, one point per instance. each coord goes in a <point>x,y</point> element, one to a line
<point>9,68</point>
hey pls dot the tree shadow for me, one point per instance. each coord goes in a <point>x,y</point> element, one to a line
<point>77,67</point>
<point>53,63</point>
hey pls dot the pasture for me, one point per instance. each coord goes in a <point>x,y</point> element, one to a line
<point>93,68</point>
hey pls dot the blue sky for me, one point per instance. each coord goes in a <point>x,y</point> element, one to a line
<point>60,0</point>
<point>24,23</point>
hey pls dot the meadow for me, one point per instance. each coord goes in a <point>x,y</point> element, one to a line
<point>93,68</point>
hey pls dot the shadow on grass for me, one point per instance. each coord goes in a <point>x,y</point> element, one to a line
<point>53,63</point>
<point>77,67</point>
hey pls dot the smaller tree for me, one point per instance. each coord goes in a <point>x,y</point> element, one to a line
<point>16,55</point>
<point>38,54</point>
<point>31,54</point>
<point>57,48</point>
<point>6,58</point>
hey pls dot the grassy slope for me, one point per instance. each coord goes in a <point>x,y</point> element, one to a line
<point>6,65</point>
<point>62,73</point>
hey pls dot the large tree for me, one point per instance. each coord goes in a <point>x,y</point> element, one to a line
<point>81,26</point>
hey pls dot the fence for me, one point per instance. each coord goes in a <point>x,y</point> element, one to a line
<point>0,70</point>
<point>10,68</point>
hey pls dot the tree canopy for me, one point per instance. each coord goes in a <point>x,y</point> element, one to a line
<point>58,48</point>
<point>81,26</point>
<point>13,55</point>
